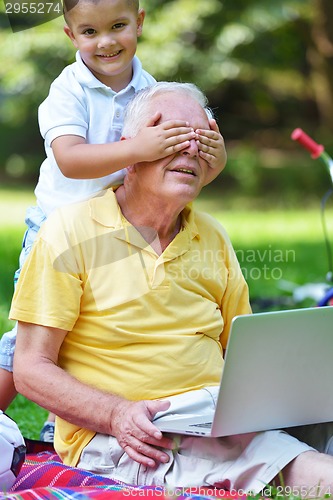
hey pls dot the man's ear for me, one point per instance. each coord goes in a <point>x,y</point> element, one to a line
<point>70,35</point>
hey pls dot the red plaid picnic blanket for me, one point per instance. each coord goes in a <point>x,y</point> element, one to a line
<point>46,469</point>
<point>44,477</point>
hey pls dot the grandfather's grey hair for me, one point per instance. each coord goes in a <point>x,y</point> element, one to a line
<point>137,111</point>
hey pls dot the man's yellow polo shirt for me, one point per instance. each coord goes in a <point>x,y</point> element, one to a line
<point>141,325</point>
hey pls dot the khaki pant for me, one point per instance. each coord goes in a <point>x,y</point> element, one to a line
<point>240,463</point>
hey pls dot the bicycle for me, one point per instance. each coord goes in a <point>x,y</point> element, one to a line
<point>320,294</point>
<point>318,151</point>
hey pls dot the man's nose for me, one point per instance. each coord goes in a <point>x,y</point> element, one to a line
<point>192,149</point>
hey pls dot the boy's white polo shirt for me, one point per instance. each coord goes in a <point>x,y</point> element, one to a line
<point>79,104</point>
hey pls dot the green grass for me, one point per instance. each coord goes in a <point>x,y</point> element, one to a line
<point>13,204</point>
<point>273,246</point>
<point>276,246</point>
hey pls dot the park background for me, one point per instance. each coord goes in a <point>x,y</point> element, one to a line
<point>267,68</point>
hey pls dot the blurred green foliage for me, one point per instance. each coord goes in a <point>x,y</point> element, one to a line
<point>266,67</point>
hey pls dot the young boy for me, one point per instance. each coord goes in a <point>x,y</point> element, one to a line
<point>81,123</point>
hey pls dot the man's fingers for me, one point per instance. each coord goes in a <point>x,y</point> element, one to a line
<point>153,436</point>
<point>144,453</point>
<point>139,437</point>
<point>156,405</point>
<point>137,457</point>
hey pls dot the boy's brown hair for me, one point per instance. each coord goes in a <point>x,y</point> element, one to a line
<point>70,4</point>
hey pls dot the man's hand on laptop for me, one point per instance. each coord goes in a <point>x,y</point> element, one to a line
<point>139,438</point>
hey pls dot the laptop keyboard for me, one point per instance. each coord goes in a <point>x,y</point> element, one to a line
<point>206,425</point>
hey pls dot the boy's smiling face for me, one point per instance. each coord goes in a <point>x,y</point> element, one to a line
<point>106,32</point>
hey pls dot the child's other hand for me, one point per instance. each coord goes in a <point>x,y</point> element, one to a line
<point>211,146</point>
<point>157,141</point>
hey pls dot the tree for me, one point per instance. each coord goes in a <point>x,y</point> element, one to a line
<point>320,56</point>
<point>266,66</point>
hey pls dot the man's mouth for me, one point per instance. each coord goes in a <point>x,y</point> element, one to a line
<point>185,171</point>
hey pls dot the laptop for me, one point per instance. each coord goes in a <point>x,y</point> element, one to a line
<point>278,373</point>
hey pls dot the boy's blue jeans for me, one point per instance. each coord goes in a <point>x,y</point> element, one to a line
<point>34,219</point>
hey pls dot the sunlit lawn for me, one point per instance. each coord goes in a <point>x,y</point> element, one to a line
<point>13,204</point>
<point>273,247</point>
<point>277,246</point>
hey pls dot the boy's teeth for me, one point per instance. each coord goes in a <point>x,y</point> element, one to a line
<point>110,55</point>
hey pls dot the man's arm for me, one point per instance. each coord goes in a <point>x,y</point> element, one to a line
<point>48,385</point>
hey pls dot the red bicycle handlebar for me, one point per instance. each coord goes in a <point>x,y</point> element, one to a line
<point>305,140</point>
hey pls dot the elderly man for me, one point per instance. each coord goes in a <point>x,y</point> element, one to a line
<point>125,305</point>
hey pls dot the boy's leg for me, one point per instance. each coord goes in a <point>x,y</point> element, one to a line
<point>7,389</point>
<point>47,432</point>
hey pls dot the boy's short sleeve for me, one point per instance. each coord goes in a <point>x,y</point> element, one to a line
<point>64,111</point>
